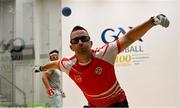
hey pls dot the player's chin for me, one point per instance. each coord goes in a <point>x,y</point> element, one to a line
<point>83,51</point>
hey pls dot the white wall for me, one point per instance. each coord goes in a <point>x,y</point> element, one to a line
<point>151,83</point>
<point>7,20</point>
<point>22,69</point>
<point>179,59</point>
<point>1,19</point>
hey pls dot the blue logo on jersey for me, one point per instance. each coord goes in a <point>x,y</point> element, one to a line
<point>115,34</point>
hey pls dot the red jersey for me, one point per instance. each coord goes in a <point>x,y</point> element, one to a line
<point>97,79</point>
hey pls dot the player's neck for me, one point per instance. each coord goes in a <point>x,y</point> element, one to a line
<point>85,63</point>
<point>84,60</point>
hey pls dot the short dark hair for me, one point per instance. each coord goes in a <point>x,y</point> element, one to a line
<point>77,27</point>
<point>54,51</point>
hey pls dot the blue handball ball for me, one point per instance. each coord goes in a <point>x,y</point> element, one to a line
<point>66,11</point>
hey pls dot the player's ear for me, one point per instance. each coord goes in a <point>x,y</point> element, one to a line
<point>91,43</point>
<point>71,47</point>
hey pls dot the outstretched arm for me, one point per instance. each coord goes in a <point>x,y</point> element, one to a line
<point>138,31</point>
<point>50,66</point>
<point>47,67</point>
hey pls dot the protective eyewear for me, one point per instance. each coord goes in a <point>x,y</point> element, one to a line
<point>82,38</point>
<point>53,57</point>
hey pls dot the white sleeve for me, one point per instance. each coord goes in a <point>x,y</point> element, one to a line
<point>109,51</point>
<point>65,65</point>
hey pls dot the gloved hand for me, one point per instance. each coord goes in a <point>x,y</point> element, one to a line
<point>37,69</point>
<point>161,20</point>
<point>51,92</point>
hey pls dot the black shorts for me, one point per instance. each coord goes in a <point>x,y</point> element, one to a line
<point>123,104</point>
